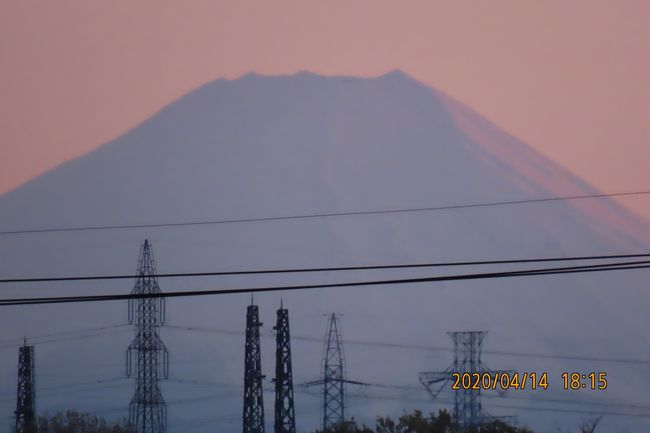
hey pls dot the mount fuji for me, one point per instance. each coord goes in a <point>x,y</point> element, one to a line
<point>305,144</point>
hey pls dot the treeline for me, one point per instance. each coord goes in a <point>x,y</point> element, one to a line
<point>76,422</point>
<point>415,422</point>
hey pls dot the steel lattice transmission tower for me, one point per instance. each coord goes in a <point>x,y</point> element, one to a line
<point>333,376</point>
<point>467,359</point>
<point>253,397</point>
<point>147,410</point>
<point>468,410</point>
<point>333,379</point>
<point>285,417</point>
<point>26,393</point>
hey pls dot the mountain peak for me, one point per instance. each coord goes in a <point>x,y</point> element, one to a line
<point>392,74</point>
<point>327,142</point>
<point>248,152</point>
<point>396,73</point>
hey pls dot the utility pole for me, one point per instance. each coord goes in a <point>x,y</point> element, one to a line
<point>26,392</point>
<point>253,397</point>
<point>147,410</point>
<point>285,418</point>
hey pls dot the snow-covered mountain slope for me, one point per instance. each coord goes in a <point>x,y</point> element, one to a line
<point>264,146</point>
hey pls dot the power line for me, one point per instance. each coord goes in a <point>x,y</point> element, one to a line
<point>330,269</point>
<point>629,406</point>
<point>458,277</point>
<point>620,405</point>
<point>532,397</point>
<point>523,408</point>
<point>426,347</point>
<point>63,333</point>
<point>74,388</point>
<point>625,405</point>
<point>506,353</point>
<point>79,337</point>
<point>239,387</point>
<point>320,215</point>
<point>575,411</point>
<point>70,388</point>
<point>70,336</point>
<point>53,387</point>
<point>504,406</point>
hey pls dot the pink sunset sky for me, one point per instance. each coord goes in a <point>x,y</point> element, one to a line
<point>571,78</point>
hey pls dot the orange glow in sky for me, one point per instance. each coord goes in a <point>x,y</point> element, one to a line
<point>568,77</point>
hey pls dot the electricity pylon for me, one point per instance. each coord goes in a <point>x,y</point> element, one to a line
<point>468,409</point>
<point>26,393</point>
<point>147,410</point>
<point>333,379</point>
<point>253,396</point>
<point>285,417</point>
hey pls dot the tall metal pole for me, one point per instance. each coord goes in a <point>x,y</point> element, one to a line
<point>253,417</point>
<point>26,393</point>
<point>285,418</point>
<point>147,410</point>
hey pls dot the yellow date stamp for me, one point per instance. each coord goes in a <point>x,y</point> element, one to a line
<point>499,380</point>
<point>505,380</point>
<point>593,380</point>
